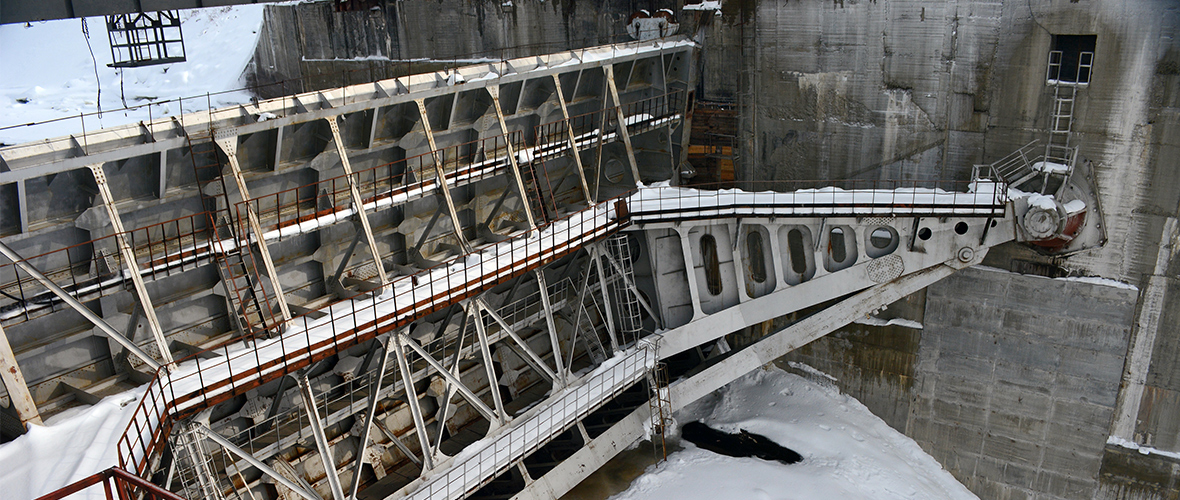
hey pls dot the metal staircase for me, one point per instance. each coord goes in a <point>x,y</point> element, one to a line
<point>244,292</point>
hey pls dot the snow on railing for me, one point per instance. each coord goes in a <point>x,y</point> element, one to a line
<point>199,382</point>
<point>661,202</point>
<point>485,459</point>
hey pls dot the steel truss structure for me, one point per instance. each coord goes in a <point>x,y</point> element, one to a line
<point>521,312</point>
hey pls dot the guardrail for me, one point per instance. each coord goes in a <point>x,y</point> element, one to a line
<point>560,413</point>
<point>156,114</point>
<point>95,268</point>
<point>116,483</point>
<point>849,198</point>
<point>199,382</point>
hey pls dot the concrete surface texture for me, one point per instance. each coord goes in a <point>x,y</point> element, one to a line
<point>924,90</point>
<point>1011,383</point>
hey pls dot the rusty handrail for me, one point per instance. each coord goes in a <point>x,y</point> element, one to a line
<point>127,486</point>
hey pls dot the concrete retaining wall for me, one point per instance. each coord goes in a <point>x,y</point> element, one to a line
<point>1011,384</point>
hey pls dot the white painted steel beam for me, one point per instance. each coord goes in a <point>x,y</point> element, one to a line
<point>569,127</point>
<point>412,400</point>
<point>132,264</point>
<point>562,411</point>
<point>531,357</point>
<point>321,439</point>
<point>441,177</point>
<point>258,464</point>
<point>358,203</point>
<point>369,415</point>
<point>486,355</point>
<point>77,306</point>
<point>596,249</point>
<point>494,91</point>
<point>14,383</point>
<point>622,121</point>
<point>632,428</point>
<point>467,393</point>
<point>548,307</point>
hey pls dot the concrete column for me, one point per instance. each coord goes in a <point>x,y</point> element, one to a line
<point>1147,327</point>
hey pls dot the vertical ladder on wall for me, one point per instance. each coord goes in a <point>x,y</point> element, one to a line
<point>630,314</point>
<point>532,185</point>
<point>1060,124</point>
<point>244,291</point>
<point>660,405</point>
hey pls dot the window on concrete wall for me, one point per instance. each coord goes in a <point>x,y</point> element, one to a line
<point>1071,59</point>
<point>712,264</point>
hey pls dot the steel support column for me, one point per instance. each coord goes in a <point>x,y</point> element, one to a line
<point>321,439</point>
<point>606,304</point>
<point>415,406</point>
<point>622,121</point>
<point>531,357</point>
<point>357,202</point>
<point>229,145</point>
<point>77,306</point>
<point>494,91</point>
<point>258,464</point>
<point>565,114</point>
<point>463,389</point>
<point>14,383</point>
<point>486,353</point>
<point>545,303</point>
<point>374,398</point>
<point>441,177</point>
<point>129,260</point>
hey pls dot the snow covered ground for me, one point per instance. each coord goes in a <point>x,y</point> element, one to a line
<point>49,72</point>
<point>71,446</point>
<point>848,452</point>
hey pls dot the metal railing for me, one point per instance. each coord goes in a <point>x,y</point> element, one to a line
<point>95,268</point>
<point>555,417</point>
<point>200,382</point>
<point>116,483</point>
<point>271,434</point>
<point>802,199</point>
<point>1018,166</point>
<point>158,120</point>
<point>301,209</point>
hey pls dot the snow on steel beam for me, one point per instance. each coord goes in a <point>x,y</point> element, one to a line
<point>49,156</point>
